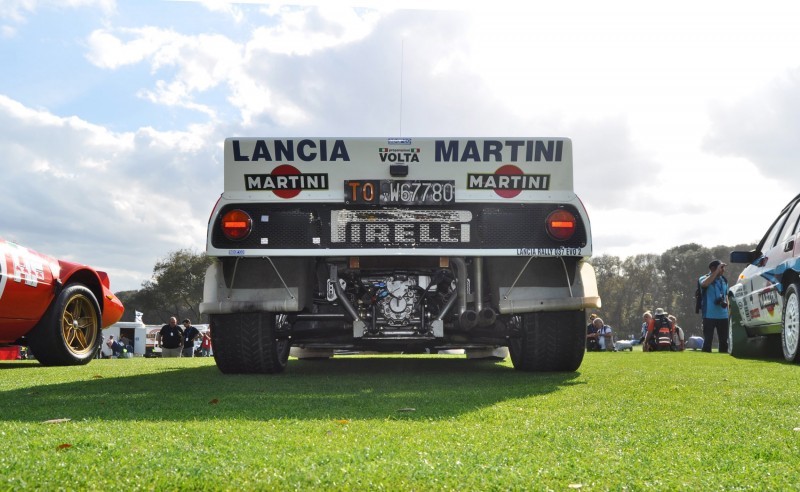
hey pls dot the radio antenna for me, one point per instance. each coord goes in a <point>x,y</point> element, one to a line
<point>402,60</point>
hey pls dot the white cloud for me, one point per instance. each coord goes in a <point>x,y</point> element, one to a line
<point>302,32</point>
<point>18,11</point>
<point>762,128</point>
<point>138,195</point>
<point>225,7</point>
<point>204,62</point>
<point>108,50</point>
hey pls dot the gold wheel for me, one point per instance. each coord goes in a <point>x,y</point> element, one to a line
<point>69,332</point>
<point>79,324</point>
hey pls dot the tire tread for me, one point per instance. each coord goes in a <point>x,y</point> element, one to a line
<point>245,343</point>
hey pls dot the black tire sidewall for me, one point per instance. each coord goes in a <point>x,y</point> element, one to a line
<point>245,343</point>
<point>46,339</point>
<point>737,336</point>
<point>549,341</point>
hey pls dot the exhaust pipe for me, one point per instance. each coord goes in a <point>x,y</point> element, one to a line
<point>351,311</point>
<point>468,320</point>
<point>486,317</point>
<point>460,270</point>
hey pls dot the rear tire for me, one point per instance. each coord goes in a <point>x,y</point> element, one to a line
<point>790,324</point>
<point>69,332</point>
<point>548,341</point>
<point>737,335</point>
<point>248,343</point>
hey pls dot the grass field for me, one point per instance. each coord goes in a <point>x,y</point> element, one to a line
<point>625,421</point>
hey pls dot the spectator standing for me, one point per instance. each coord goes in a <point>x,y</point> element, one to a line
<point>205,344</point>
<point>714,306</point>
<point>190,334</point>
<point>592,344</point>
<point>646,318</point>
<point>605,336</point>
<point>678,340</point>
<point>170,339</point>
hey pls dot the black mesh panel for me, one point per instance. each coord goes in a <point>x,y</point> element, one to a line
<point>308,226</point>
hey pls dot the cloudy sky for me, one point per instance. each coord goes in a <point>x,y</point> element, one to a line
<point>684,115</point>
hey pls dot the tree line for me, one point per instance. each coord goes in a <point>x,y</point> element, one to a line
<point>645,282</point>
<point>175,289</point>
<point>628,287</point>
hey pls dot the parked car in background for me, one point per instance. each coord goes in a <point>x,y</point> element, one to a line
<point>621,345</point>
<point>55,307</point>
<point>152,349</point>
<point>765,301</point>
<point>695,343</point>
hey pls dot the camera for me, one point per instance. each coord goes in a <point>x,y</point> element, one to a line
<point>721,302</point>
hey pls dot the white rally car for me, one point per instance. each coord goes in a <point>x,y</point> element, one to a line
<point>765,301</point>
<point>398,244</point>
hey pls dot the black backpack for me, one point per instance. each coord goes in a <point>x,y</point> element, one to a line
<point>662,333</point>
<point>698,298</point>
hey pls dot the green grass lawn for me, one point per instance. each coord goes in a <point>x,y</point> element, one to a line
<point>631,420</point>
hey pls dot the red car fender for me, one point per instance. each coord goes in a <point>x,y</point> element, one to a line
<point>99,284</point>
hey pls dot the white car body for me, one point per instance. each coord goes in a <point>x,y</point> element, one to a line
<point>400,244</point>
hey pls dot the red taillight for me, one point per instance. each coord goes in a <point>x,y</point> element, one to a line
<point>560,225</point>
<point>236,225</point>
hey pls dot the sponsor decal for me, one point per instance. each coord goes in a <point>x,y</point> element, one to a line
<point>508,181</point>
<point>559,251</point>
<point>26,267</point>
<point>286,181</point>
<point>236,252</point>
<point>499,150</point>
<point>388,154</point>
<point>305,150</point>
<point>412,233</point>
<point>769,299</point>
<point>423,227</point>
<point>398,141</point>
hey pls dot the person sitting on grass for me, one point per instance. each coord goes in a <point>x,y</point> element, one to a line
<point>604,335</point>
<point>592,343</point>
<point>659,332</point>
<point>115,346</point>
<point>678,339</point>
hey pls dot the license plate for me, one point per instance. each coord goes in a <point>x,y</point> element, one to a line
<point>399,192</point>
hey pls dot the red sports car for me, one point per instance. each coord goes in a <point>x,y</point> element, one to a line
<point>57,308</point>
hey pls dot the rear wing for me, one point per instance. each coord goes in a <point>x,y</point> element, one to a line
<point>337,170</point>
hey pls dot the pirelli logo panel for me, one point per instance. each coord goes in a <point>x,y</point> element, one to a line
<point>424,228</point>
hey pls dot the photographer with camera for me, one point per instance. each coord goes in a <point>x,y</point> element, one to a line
<point>714,307</point>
